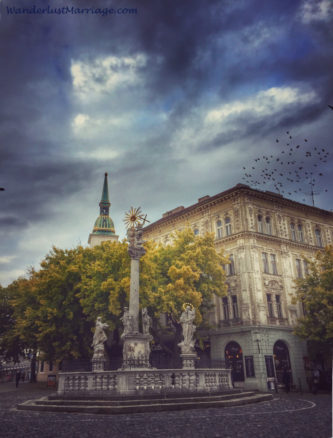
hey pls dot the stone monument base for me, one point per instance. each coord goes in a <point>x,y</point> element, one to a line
<point>136,351</point>
<point>141,382</point>
<point>188,360</point>
<point>98,360</point>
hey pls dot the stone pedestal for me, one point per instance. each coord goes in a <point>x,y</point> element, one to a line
<point>136,351</point>
<point>188,360</point>
<point>98,360</point>
<point>98,365</point>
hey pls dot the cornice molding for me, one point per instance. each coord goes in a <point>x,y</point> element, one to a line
<point>237,191</point>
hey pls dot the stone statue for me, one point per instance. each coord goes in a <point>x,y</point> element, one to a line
<point>127,320</point>
<point>146,321</point>
<point>99,337</point>
<point>186,320</point>
<point>135,248</point>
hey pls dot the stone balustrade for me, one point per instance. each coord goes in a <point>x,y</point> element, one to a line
<point>150,381</point>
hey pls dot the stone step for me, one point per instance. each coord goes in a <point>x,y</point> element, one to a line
<point>143,401</point>
<point>149,406</point>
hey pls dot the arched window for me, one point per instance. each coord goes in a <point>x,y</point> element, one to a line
<point>292,231</point>
<point>260,226</point>
<point>318,237</point>
<point>219,229</point>
<point>300,233</point>
<point>281,359</point>
<point>227,226</point>
<point>268,225</point>
<point>234,360</point>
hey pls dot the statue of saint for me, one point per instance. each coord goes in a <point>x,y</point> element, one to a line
<point>127,320</point>
<point>186,320</point>
<point>99,335</point>
<point>146,321</point>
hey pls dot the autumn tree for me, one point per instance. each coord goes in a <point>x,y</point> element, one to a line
<point>189,270</point>
<point>54,310</point>
<point>315,292</point>
<point>19,336</point>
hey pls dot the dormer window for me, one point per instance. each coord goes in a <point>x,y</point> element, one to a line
<point>219,229</point>
<point>227,226</point>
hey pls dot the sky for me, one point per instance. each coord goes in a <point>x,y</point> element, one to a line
<point>172,99</point>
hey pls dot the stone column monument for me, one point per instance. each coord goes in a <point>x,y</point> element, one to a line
<point>136,349</point>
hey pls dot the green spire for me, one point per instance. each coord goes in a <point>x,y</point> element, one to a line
<point>105,193</point>
<point>105,204</point>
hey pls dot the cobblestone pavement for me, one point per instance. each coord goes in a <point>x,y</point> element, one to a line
<point>287,416</point>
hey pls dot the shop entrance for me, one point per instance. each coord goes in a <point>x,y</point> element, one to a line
<point>281,359</point>
<point>234,360</point>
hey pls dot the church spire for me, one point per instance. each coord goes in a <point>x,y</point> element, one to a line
<point>103,227</point>
<point>105,204</point>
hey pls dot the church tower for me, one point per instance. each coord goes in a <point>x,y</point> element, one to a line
<point>103,229</point>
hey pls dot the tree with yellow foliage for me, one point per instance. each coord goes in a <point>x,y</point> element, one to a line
<point>54,310</point>
<point>315,292</point>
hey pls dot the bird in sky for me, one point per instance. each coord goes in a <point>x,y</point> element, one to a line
<point>297,168</point>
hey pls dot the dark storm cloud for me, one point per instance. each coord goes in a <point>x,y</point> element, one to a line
<point>198,55</point>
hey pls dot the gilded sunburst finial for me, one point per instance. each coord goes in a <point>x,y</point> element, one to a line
<point>134,217</point>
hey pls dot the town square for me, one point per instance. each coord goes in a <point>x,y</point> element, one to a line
<point>166,222</point>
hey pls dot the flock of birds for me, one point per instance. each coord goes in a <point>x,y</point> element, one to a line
<point>295,171</point>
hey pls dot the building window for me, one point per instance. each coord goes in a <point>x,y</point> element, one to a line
<point>265,262</point>
<point>50,366</point>
<point>300,233</point>
<point>225,308</point>
<point>227,226</point>
<point>219,229</point>
<point>249,366</point>
<point>260,226</point>
<point>299,268</point>
<point>270,306</point>
<point>278,306</point>
<point>231,266</point>
<point>293,231</point>
<point>273,263</point>
<point>42,366</point>
<point>235,306</point>
<point>268,225</point>
<point>306,267</point>
<point>318,237</point>
<point>196,231</point>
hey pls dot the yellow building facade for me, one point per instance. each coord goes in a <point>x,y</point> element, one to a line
<point>267,238</point>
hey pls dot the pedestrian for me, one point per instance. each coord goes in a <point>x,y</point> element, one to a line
<point>17,378</point>
<point>315,380</point>
<point>286,378</point>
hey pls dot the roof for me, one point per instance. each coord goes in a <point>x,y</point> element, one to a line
<point>104,225</point>
<point>205,201</point>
